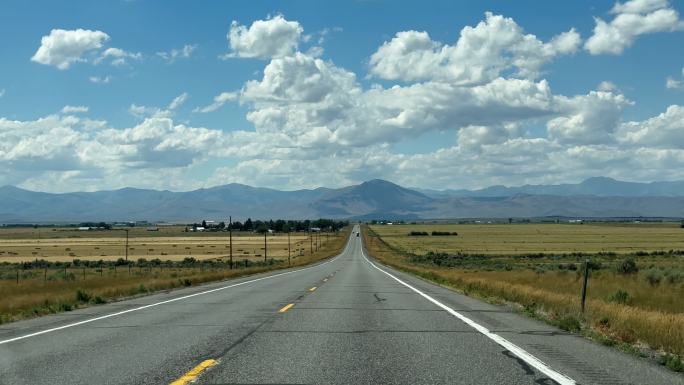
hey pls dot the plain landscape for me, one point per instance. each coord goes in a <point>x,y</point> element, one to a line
<point>66,268</point>
<point>334,192</point>
<point>635,285</point>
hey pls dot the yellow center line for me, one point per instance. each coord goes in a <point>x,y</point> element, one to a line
<point>325,279</point>
<point>313,288</point>
<point>194,372</point>
<point>285,308</point>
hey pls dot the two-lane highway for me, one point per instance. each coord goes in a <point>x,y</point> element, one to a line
<point>347,320</point>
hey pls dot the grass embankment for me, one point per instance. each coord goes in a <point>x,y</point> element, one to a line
<point>36,295</point>
<point>639,311</point>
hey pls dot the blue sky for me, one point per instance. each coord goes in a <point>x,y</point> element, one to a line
<point>438,94</point>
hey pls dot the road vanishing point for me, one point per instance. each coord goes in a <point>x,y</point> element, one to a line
<point>347,320</point>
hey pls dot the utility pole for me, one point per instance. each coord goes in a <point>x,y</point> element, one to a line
<point>310,240</point>
<point>126,230</point>
<point>230,237</point>
<point>289,263</point>
<point>265,250</point>
<point>584,284</point>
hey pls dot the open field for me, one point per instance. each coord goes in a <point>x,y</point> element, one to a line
<point>633,305</point>
<point>618,238</point>
<point>172,243</point>
<point>46,287</point>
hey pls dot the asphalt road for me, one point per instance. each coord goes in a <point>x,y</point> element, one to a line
<point>348,320</point>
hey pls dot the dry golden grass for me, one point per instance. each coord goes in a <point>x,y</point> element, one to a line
<point>536,238</point>
<point>655,317</point>
<point>18,245</point>
<point>33,297</point>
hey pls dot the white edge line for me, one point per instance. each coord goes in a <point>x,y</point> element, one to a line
<point>513,348</point>
<point>169,300</point>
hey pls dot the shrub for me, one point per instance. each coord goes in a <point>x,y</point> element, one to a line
<point>82,295</point>
<point>189,261</point>
<point>674,276</point>
<point>569,323</point>
<point>99,300</point>
<point>654,276</point>
<point>620,296</point>
<point>418,233</point>
<point>442,233</point>
<point>627,266</point>
<point>672,362</point>
<point>65,307</point>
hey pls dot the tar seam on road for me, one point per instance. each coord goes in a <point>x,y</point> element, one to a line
<point>285,308</point>
<point>167,301</point>
<point>194,372</point>
<point>511,347</point>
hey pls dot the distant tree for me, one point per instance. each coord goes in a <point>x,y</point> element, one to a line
<point>221,225</point>
<point>204,224</point>
<point>262,228</point>
<point>249,226</point>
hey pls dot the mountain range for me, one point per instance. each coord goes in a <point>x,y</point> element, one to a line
<point>375,199</point>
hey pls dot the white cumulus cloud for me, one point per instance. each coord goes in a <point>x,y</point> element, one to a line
<point>632,18</point>
<point>61,48</point>
<point>481,53</point>
<point>273,37</point>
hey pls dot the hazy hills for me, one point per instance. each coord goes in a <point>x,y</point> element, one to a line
<point>599,186</point>
<point>595,197</point>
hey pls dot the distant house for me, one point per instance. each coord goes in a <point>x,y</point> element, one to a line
<point>316,229</point>
<point>198,228</point>
<point>152,228</point>
<point>84,228</point>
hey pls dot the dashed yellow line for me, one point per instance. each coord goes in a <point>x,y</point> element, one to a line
<point>194,372</point>
<point>325,279</point>
<point>285,308</point>
<point>313,288</point>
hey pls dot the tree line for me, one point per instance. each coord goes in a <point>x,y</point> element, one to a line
<point>279,225</point>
